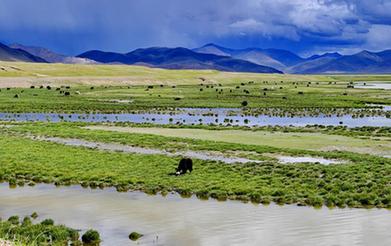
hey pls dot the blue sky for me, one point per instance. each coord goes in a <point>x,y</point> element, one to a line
<point>302,26</point>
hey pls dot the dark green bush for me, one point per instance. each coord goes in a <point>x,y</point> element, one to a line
<point>134,236</point>
<point>47,222</point>
<point>14,220</point>
<point>91,237</point>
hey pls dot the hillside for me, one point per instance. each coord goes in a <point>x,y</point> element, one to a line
<point>10,54</point>
<point>177,58</point>
<point>51,56</point>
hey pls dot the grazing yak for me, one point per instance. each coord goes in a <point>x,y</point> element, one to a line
<point>186,164</point>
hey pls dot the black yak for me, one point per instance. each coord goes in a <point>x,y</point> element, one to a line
<point>186,164</point>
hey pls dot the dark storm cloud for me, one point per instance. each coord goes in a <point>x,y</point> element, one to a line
<point>73,26</point>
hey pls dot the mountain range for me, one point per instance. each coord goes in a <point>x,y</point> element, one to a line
<point>277,58</point>
<point>288,62</point>
<point>177,58</point>
<point>51,56</point>
<point>212,56</point>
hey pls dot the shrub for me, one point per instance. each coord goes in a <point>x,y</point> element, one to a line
<point>134,236</point>
<point>26,221</point>
<point>14,220</point>
<point>91,237</point>
<point>34,215</point>
<point>47,222</point>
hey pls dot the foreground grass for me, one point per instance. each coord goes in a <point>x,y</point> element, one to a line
<point>27,233</point>
<point>365,182</point>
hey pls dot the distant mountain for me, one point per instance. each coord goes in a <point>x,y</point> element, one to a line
<point>10,54</point>
<point>212,56</point>
<point>277,58</point>
<point>313,62</point>
<point>215,50</point>
<point>362,62</point>
<point>325,55</point>
<point>260,58</point>
<point>284,56</point>
<point>51,56</point>
<point>177,58</point>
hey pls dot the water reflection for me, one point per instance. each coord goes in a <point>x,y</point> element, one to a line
<point>215,116</point>
<point>178,221</point>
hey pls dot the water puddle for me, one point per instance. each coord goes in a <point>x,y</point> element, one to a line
<point>175,221</point>
<point>306,159</point>
<point>207,156</point>
<point>386,108</point>
<point>212,117</point>
<point>364,85</point>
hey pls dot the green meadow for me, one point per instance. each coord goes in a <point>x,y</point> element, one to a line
<point>361,179</point>
<point>116,88</point>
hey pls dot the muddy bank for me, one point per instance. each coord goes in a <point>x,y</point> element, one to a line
<point>207,156</point>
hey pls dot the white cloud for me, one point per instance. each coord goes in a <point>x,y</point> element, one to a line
<point>251,26</point>
<point>379,37</point>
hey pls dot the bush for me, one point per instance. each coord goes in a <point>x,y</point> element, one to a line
<point>14,220</point>
<point>91,237</point>
<point>28,233</point>
<point>26,221</point>
<point>47,222</point>
<point>134,236</point>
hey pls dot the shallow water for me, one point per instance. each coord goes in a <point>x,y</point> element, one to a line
<point>385,86</point>
<point>306,159</point>
<point>201,155</point>
<point>178,221</point>
<point>386,108</point>
<point>195,117</point>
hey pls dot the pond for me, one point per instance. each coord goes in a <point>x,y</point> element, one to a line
<point>215,116</point>
<point>173,220</point>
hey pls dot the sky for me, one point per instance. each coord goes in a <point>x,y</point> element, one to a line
<point>302,26</point>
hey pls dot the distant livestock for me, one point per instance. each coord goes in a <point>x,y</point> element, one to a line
<point>184,165</point>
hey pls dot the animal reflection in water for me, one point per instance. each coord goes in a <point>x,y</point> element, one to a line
<point>185,164</point>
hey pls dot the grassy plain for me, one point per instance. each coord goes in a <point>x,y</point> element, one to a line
<point>363,181</point>
<point>145,88</point>
<point>306,141</point>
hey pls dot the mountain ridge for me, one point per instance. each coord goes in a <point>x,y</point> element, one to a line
<point>10,54</point>
<point>51,56</point>
<point>213,56</point>
<point>177,58</point>
<point>332,62</point>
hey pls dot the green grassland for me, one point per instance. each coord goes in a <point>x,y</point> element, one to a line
<point>362,182</point>
<point>287,95</point>
<point>304,140</point>
<point>143,74</point>
<point>125,88</point>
